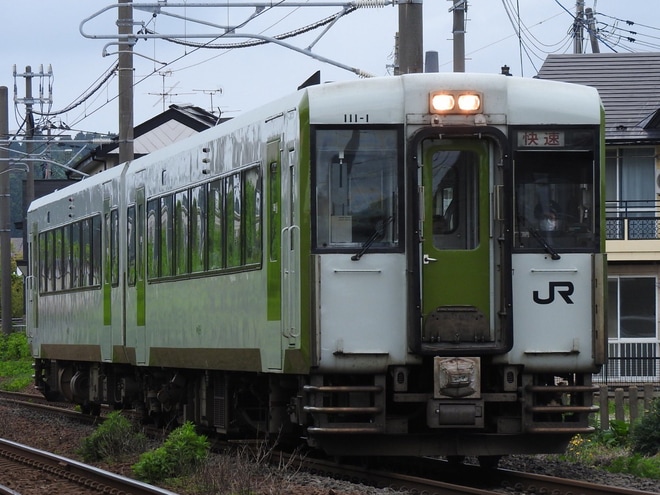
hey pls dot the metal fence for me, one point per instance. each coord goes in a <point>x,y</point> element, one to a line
<point>632,220</point>
<point>635,362</point>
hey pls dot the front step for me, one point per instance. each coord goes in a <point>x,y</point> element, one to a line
<point>559,408</point>
<point>346,409</point>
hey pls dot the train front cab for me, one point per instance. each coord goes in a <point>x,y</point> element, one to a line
<point>505,316</point>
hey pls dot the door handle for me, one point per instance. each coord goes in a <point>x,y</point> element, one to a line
<point>427,259</point>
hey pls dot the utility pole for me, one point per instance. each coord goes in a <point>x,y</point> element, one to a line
<point>411,51</point>
<point>459,9</point>
<point>578,24</point>
<point>591,22</point>
<point>29,137</point>
<point>5,220</point>
<point>126,42</point>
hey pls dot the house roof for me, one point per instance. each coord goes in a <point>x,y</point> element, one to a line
<point>628,84</point>
<point>176,123</point>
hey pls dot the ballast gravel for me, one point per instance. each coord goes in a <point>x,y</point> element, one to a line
<point>62,436</point>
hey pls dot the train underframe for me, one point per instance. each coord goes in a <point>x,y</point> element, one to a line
<point>394,413</point>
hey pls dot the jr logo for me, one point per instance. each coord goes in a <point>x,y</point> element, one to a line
<point>565,289</point>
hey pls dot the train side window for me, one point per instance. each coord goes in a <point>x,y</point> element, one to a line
<point>233,219</point>
<point>66,257</point>
<point>114,248</point>
<point>153,239</point>
<point>52,260</point>
<point>95,251</point>
<point>166,250</point>
<point>43,262</point>
<point>357,185</point>
<point>86,258</point>
<point>252,215</point>
<point>181,232</point>
<point>57,260</point>
<point>215,224</point>
<point>198,229</point>
<point>76,255</point>
<point>130,245</point>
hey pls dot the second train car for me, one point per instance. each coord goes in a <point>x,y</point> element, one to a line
<point>407,265</point>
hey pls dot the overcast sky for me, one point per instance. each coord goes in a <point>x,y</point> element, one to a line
<point>48,32</point>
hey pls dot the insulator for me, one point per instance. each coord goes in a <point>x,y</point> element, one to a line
<point>361,4</point>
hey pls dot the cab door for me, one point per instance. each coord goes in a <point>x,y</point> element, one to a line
<point>455,265</point>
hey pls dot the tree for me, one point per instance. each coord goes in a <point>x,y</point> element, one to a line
<point>17,307</point>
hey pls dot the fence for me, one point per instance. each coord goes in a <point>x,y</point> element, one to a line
<point>632,362</point>
<point>636,400</point>
<point>632,220</point>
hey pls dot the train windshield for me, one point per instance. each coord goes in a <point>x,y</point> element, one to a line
<point>357,174</point>
<point>554,205</point>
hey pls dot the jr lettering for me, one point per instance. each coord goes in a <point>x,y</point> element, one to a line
<point>564,289</point>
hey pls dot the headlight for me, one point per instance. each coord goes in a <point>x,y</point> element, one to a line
<point>455,102</point>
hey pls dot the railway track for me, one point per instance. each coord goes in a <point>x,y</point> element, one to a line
<point>453,479</point>
<point>429,476</point>
<point>28,470</point>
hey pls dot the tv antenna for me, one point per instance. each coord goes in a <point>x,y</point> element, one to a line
<point>211,92</point>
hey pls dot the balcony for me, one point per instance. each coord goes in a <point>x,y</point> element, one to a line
<point>631,361</point>
<point>632,230</point>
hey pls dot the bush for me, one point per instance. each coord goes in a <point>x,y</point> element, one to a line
<point>645,437</point>
<point>114,439</point>
<point>637,465</point>
<point>183,451</point>
<point>15,362</point>
<point>14,347</point>
<point>617,436</point>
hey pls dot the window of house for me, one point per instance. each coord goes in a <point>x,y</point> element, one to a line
<point>630,185</point>
<point>630,174</point>
<point>632,308</point>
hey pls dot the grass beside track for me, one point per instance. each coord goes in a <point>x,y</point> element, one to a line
<point>15,362</point>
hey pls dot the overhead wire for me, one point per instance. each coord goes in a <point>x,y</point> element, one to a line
<point>196,46</point>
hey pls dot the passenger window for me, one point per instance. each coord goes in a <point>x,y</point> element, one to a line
<point>215,230</point>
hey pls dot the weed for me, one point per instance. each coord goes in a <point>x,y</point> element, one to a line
<point>246,471</point>
<point>15,362</point>
<point>636,464</point>
<point>182,453</point>
<point>646,432</point>
<point>114,439</point>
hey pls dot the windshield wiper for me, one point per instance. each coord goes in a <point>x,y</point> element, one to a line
<point>378,234</point>
<point>550,250</point>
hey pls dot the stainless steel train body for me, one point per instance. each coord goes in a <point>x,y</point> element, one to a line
<point>401,265</point>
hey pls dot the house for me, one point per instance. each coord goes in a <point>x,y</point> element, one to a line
<point>174,124</point>
<point>629,85</point>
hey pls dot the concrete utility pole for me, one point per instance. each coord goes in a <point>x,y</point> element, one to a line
<point>411,51</point>
<point>125,27</point>
<point>578,24</point>
<point>29,136</point>
<point>591,22</point>
<point>5,221</point>
<point>459,9</point>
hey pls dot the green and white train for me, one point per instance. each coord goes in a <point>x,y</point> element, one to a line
<point>408,265</point>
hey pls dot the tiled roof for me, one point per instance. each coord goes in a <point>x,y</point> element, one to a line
<point>628,84</point>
